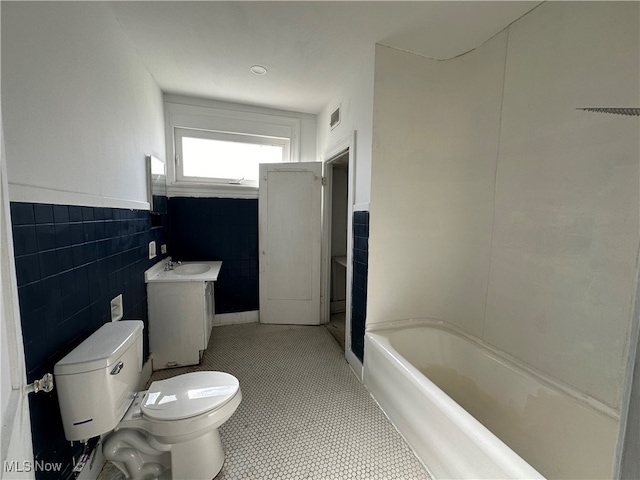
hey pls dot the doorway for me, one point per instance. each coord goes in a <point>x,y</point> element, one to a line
<point>341,160</point>
<point>337,174</point>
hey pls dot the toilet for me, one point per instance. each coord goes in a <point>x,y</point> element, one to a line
<point>168,431</point>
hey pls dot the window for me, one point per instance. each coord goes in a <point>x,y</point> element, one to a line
<point>205,156</point>
<point>216,146</point>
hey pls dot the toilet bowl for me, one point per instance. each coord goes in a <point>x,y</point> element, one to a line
<point>167,431</point>
<point>180,416</point>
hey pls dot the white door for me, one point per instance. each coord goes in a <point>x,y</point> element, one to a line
<point>290,238</point>
<point>17,450</point>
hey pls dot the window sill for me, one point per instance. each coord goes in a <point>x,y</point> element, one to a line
<point>211,190</point>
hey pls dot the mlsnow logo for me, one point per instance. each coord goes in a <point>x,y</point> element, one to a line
<point>26,466</point>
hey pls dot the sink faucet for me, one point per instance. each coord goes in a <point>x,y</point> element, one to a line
<point>170,264</point>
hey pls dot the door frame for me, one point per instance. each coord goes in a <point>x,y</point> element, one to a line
<point>16,446</point>
<point>347,144</point>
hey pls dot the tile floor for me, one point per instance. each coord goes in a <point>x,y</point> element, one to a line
<point>304,414</point>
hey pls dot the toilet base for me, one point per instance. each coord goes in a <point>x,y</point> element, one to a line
<point>200,458</point>
<point>139,455</point>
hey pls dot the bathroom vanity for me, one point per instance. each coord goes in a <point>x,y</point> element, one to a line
<point>181,311</point>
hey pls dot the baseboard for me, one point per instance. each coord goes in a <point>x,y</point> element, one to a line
<point>236,318</point>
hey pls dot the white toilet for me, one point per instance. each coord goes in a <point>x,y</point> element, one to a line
<point>168,431</point>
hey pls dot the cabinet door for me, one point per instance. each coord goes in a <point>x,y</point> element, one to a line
<point>176,318</point>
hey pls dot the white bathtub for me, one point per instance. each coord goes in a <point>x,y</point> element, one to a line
<point>469,411</point>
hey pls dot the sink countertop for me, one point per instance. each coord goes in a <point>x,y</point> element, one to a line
<point>157,273</point>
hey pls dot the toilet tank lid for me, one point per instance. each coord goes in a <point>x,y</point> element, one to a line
<point>101,349</point>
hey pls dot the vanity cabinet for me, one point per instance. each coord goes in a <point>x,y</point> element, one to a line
<point>180,322</point>
<point>181,310</point>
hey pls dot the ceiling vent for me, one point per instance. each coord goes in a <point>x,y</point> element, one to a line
<point>335,118</point>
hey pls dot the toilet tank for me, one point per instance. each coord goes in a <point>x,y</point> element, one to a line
<point>96,382</point>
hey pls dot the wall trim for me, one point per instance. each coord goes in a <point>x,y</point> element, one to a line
<point>33,194</point>
<point>361,207</point>
<point>211,191</point>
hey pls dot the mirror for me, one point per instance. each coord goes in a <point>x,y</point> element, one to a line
<point>157,185</point>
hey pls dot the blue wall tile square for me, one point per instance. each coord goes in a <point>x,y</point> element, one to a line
<point>30,297</point>
<point>70,306</point>
<point>43,213</point>
<point>46,235</point>
<point>33,326</point>
<point>100,213</point>
<point>24,239</point>
<point>77,252</point>
<point>67,283</point>
<point>87,214</point>
<point>99,230</point>
<point>48,263</point>
<point>63,234</point>
<point>89,252</point>
<point>89,231</point>
<point>27,269</point>
<point>65,258</point>
<point>61,214</point>
<point>76,233</point>
<point>22,213</point>
<point>75,213</point>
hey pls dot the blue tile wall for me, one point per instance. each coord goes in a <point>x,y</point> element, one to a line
<point>70,262</point>
<point>359,286</point>
<point>223,229</point>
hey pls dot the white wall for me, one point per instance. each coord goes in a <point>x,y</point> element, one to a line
<point>436,131</point>
<point>356,105</point>
<point>80,109</point>
<point>563,263</point>
<point>500,208</point>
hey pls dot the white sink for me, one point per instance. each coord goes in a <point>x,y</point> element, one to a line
<point>191,269</point>
<point>202,271</point>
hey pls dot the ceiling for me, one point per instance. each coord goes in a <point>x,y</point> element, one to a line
<point>206,48</point>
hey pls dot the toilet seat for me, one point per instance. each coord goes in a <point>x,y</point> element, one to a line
<point>188,395</point>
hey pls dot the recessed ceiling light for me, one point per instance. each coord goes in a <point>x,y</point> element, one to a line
<point>258,70</point>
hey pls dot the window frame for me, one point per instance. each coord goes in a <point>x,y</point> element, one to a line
<point>213,115</point>
<point>239,137</point>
